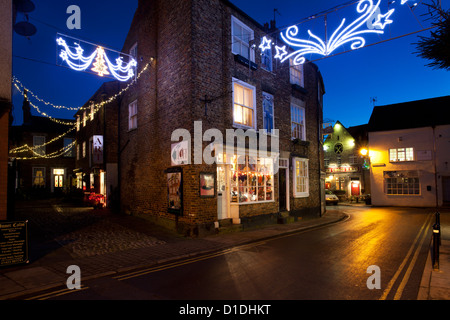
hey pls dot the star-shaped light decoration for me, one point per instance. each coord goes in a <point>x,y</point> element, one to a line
<point>281,52</point>
<point>379,20</point>
<point>265,44</point>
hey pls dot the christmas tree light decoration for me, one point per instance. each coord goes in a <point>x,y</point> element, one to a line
<point>99,65</point>
<point>75,59</point>
<point>352,33</point>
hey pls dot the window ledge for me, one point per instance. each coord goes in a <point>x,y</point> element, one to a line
<point>298,88</point>
<point>245,61</point>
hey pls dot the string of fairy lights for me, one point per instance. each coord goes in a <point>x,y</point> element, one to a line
<point>94,108</point>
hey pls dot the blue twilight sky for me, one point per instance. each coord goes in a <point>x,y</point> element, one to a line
<point>388,71</point>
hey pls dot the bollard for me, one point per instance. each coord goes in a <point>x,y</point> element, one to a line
<point>438,223</point>
<point>436,237</point>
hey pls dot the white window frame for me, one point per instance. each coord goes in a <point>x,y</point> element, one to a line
<point>269,97</point>
<point>401,154</point>
<point>298,117</point>
<point>304,193</point>
<point>39,146</point>
<point>236,39</point>
<point>133,115</point>
<point>404,183</point>
<point>237,82</point>
<point>296,72</point>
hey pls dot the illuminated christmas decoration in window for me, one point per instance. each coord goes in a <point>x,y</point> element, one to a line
<point>370,20</point>
<point>74,58</point>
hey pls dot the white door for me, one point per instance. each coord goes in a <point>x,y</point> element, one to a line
<point>223,191</point>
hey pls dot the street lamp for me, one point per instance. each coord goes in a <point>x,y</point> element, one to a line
<point>364,152</point>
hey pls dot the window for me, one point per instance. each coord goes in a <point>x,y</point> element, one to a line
<point>401,154</point>
<point>326,162</point>
<point>132,115</point>
<point>298,122</point>
<point>39,177</point>
<point>78,151</point>
<point>353,159</point>
<point>251,179</point>
<point>268,117</point>
<point>301,177</point>
<point>84,149</point>
<point>402,182</point>
<point>84,119</point>
<point>92,111</point>
<point>69,150</point>
<point>296,72</point>
<point>39,145</point>
<point>240,39</point>
<point>244,102</point>
<point>266,59</point>
<point>78,123</point>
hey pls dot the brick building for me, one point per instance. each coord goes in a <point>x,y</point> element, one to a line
<point>46,166</point>
<point>346,169</point>
<point>97,142</point>
<point>6,23</point>
<point>206,74</point>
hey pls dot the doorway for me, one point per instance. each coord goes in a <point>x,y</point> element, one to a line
<point>58,180</point>
<point>282,190</point>
<point>223,192</point>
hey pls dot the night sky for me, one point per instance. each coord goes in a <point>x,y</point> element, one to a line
<point>389,72</point>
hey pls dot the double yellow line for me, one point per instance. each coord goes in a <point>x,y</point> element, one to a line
<point>57,293</point>
<point>422,235</point>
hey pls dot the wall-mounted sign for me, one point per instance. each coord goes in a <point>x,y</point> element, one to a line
<point>13,243</point>
<point>174,177</point>
<point>342,169</point>
<point>97,152</point>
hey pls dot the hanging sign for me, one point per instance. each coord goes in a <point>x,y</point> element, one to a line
<point>97,149</point>
<point>99,60</point>
<point>373,17</point>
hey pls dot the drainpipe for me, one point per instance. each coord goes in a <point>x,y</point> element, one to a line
<point>435,167</point>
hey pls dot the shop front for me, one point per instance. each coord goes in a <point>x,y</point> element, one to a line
<point>243,180</point>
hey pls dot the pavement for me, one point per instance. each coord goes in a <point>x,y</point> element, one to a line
<point>102,243</point>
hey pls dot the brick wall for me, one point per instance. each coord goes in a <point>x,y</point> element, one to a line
<point>191,44</point>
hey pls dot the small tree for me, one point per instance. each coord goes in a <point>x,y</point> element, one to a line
<point>436,47</point>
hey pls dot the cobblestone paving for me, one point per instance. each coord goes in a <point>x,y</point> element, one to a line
<point>83,231</point>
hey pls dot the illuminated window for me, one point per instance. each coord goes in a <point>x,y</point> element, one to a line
<point>241,37</point>
<point>38,144</point>
<point>251,179</point>
<point>92,111</point>
<point>298,122</point>
<point>301,177</point>
<point>84,149</point>
<point>39,177</point>
<point>132,115</point>
<point>401,154</point>
<point>296,72</point>
<point>244,104</point>
<point>84,119</point>
<point>78,123</point>
<point>402,182</point>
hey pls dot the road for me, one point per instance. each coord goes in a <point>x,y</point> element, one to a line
<point>328,263</point>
